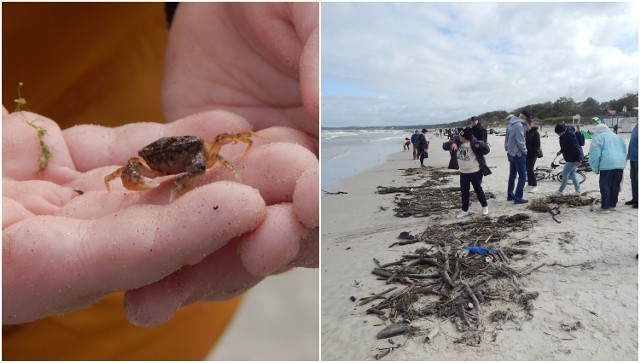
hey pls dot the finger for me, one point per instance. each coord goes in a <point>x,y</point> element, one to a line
<point>28,140</point>
<point>220,276</point>
<point>306,198</point>
<point>275,243</point>
<point>94,146</point>
<point>12,212</point>
<point>132,248</point>
<point>38,196</point>
<point>309,76</point>
<point>287,134</point>
<point>309,254</point>
<point>273,169</point>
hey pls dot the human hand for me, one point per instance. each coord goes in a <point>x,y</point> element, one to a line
<point>63,251</point>
<point>258,60</point>
<point>454,147</point>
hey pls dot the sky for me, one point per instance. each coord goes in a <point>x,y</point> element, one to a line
<point>385,64</point>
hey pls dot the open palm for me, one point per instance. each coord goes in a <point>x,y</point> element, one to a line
<point>67,242</point>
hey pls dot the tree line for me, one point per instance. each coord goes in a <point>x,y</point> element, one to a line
<point>562,110</point>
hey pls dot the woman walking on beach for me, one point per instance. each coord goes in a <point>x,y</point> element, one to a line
<point>467,155</point>
<point>608,157</point>
<point>532,140</point>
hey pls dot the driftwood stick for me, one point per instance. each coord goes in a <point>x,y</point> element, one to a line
<point>373,310</point>
<point>528,271</point>
<point>402,243</point>
<point>382,272</point>
<point>475,301</point>
<point>369,299</point>
<point>399,262</point>
<point>445,271</point>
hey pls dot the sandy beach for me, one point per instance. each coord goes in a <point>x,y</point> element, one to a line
<point>587,307</point>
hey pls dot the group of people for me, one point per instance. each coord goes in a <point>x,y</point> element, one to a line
<point>608,154</point>
<point>420,143</point>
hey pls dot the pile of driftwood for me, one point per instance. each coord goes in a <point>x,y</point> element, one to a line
<point>429,198</point>
<point>552,204</point>
<point>445,277</point>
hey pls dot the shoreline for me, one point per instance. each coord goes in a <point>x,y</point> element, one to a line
<point>602,294</point>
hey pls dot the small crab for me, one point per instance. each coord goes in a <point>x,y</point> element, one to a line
<point>189,155</point>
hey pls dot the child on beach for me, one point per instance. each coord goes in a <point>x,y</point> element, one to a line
<point>406,144</point>
<point>467,155</point>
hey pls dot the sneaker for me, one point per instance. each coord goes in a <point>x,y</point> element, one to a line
<point>521,201</point>
<point>603,211</point>
<point>485,210</point>
<point>575,194</point>
<point>630,202</point>
<point>635,206</point>
<point>557,193</point>
<point>533,190</point>
<point>462,214</point>
<point>527,188</point>
<point>612,208</point>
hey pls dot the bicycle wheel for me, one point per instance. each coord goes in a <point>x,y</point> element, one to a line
<point>579,174</point>
<point>562,161</point>
<point>540,174</point>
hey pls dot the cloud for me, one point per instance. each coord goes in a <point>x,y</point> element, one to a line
<point>414,63</point>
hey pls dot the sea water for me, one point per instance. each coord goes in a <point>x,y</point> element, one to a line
<point>348,152</point>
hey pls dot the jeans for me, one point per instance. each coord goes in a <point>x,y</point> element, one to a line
<point>634,180</point>
<point>474,179</point>
<point>610,187</point>
<point>569,171</point>
<point>517,164</point>
<point>531,176</point>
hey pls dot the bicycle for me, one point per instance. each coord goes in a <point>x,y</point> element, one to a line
<point>584,166</point>
<point>542,173</point>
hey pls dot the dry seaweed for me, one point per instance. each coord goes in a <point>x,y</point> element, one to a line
<point>429,198</point>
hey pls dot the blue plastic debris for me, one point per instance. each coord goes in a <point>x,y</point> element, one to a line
<point>481,250</point>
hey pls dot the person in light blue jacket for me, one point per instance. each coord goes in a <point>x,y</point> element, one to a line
<point>608,156</point>
<point>632,155</point>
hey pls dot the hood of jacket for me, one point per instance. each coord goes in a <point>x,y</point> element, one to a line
<point>516,119</point>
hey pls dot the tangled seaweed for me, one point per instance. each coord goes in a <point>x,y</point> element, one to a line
<point>429,198</point>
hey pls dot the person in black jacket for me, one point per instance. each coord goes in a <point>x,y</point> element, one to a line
<point>532,140</point>
<point>423,147</point>
<point>479,131</point>
<point>572,154</point>
<point>467,155</point>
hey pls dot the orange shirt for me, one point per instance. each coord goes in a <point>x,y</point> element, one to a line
<point>98,63</point>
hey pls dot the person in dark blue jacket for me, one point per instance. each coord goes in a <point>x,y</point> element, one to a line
<point>414,139</point>
<point>572,153</point>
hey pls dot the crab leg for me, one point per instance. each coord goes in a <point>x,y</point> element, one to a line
<point>193,177</point>
<point>135,176</point>
<point>213,147</point>
<point>107,179</point>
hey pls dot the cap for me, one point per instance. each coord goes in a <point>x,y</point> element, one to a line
<point>560,128</point>
<point>467,133</point>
